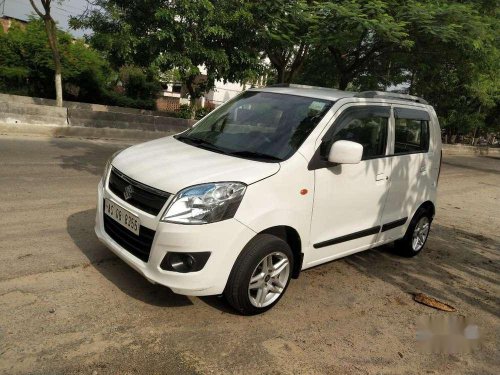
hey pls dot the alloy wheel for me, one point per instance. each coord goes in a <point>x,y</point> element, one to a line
<point>269,279</point>
<point>420,233</point>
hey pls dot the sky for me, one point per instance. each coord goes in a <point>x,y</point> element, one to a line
<point>61,12</point>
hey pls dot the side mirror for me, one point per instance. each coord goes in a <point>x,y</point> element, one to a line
<point>345,152</point>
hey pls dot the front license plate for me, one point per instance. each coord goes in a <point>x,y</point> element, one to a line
<point>122,216</point>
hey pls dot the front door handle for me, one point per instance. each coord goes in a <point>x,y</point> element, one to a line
<point>381,177</point>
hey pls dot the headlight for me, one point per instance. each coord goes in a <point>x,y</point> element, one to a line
<point>107,167</point>
<point>206,203</point>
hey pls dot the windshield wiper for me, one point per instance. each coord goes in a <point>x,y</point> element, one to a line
<point>201,142</point>
<point>254,155</point>
<point>210,146</point>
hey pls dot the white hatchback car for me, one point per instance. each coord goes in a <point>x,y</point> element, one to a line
<point>273,182</point>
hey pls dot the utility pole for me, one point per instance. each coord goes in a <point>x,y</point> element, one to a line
<point>3,7</point>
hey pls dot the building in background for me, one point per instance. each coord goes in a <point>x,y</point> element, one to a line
<point>222,92</point>
<point>175,93</point>
<point>7,22</point>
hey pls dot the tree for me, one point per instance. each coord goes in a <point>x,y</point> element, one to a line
<point>445,51</point>
<point>139,83</point>
<point>51,29</point>
<point>27,68</point>
<point>282,27</point>
<point>189,36</point>
<point>454,61</point>
<point>357,33</point>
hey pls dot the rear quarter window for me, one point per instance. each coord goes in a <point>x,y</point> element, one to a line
<point>411,135</point>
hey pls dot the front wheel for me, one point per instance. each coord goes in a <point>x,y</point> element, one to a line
<point>260,275</point>
<point>416,234</point>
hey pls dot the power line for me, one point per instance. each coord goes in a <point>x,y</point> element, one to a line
<point>69,5</point>
<point>62,9</point>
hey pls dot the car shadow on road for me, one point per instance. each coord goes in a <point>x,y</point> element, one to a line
<point>84,155</point>
<point>455,266</point>
<point>80,227</point>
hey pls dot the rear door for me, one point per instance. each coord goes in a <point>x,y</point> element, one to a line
<point>410,177</point>
<point>349,199</point>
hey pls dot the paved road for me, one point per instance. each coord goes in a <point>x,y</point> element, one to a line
<point>67,305</point>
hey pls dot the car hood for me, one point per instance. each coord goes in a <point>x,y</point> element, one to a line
<point>171,165</point>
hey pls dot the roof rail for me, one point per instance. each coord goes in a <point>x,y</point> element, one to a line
<point>279,85</point>
<point>295,85</point>
<point>390,95</point>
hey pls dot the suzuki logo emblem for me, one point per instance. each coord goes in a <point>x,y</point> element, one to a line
<point>128,192</point>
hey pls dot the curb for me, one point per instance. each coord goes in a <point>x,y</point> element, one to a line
<point>83,132</point>
<point>463,150</point>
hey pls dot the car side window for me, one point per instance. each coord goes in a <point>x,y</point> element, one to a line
<point>364,124</point>
<point>369,131</point>
<point>411,135</point>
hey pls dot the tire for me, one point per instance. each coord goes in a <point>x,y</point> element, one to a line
<point>262,249</point>
<point>413,243</point>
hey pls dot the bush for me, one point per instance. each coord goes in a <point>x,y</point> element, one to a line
<point>185,111</point>
<point>202,112</point>
<point>139,83</point>
<point>120,100</point>
<point>27,68</point>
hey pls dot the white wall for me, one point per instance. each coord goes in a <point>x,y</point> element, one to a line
<point>224,91</point>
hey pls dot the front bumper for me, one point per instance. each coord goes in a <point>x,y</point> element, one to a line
<point>224,240</point>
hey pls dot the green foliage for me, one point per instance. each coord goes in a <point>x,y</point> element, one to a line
<point>27,65</point>
<point>25,59</point>
<point>454,62</point>
<point>110,97</point>
<point>283,33</point>
<point>27,68</point>
<point>139,84</point>
<point>202,112</point>
<point>185,111</point>
<point>183,35</point>
<point>445,51</point>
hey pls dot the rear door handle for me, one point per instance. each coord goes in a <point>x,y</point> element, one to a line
<point>423,168</point>
<point>381,177</point>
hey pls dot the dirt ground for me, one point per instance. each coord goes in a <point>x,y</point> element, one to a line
<point>69,306</point>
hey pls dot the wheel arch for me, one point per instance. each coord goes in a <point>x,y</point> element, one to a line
<point>428,205</point>
<point>292,238</point>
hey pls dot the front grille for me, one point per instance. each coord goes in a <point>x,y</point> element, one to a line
<point>143,197</point>
<point>139,246</point>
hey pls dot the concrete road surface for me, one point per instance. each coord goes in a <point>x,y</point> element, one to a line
<point>69,306</point>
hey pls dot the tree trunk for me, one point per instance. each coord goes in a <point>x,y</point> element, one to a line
<point>192,96</point>
<point>476,128</point>
<point>344,81</point>
<point>58,83</point>
<point>50,27</point>
<point>280,71</point>
<point>298,62</point>
<point>412,82</point>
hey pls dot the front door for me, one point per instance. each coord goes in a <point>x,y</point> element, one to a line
<point>349,199</point>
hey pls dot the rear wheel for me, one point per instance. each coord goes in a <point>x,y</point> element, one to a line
<point>260,275</point>
<point>416,235</point>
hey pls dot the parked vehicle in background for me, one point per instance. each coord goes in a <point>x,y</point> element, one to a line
<point>273,182</point>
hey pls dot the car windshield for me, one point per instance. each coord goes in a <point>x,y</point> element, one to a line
<point>258,125</point>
